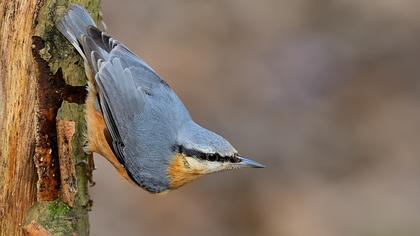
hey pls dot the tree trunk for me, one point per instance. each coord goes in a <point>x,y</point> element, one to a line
<point>44,172</point>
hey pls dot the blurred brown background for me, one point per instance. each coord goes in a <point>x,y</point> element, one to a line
<point>326,93</point>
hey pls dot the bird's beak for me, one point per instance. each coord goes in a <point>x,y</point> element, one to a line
<point>245,162</point>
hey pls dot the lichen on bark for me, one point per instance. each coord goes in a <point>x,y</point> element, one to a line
<point>57,51</point>
<point>62,62</point>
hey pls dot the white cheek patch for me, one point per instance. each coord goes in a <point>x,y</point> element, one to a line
<point>205,166</point>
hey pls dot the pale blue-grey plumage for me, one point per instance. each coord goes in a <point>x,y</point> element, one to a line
<point>144,117</point>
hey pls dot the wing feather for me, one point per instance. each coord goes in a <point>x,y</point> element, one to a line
<point>120,95</point>
<point>140,110</point>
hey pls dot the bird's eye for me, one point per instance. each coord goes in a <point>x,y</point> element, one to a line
<point>212,157</point>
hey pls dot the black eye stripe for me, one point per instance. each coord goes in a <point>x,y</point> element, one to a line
<point>206,156</point>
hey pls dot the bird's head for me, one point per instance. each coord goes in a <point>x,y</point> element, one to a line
<point>198,152</point>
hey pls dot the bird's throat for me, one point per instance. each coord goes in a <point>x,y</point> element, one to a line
<point>181,172</point>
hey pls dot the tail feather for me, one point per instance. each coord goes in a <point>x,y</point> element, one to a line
<point>74,25</point>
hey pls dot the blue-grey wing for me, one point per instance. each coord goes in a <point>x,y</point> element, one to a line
<point>140,110</point>
<point>120,100</point>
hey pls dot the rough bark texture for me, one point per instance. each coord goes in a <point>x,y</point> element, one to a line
<point>43,170</point>
<point>18,76</point>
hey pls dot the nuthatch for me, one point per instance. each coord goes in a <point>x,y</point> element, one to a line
<point>136,120</point>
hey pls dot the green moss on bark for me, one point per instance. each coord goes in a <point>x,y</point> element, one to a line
<point>55,216</point>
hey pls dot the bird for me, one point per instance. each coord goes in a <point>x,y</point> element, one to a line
<point>135,120</point>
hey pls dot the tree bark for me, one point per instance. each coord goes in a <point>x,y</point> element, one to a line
<point>44,172</point>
